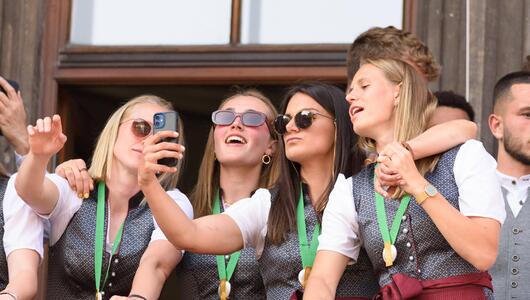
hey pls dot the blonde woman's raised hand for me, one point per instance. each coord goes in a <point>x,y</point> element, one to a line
<point>155,150</point>
<point>46,138</point>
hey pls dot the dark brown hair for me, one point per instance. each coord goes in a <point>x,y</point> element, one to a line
<point>282,216</point>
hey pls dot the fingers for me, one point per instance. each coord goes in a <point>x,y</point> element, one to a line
<point>157,137</point>
<point>9,90</point>
<point>379,188</point>
<point>387,176</point>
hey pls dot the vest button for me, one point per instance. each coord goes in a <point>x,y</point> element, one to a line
<point>110,284</point>
<point>514,284</point>
<point>515,271</point>
<point>516,230</point>
<point>113,274</point>
<point>515,258</point>
<point>404,218</point>
<point>405,230</point>
<point>411,258</point>
<point>227,257</point>
<point>116,261</point>
<point>408,245</point>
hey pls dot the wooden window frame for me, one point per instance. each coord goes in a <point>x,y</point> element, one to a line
<point>234,63</point>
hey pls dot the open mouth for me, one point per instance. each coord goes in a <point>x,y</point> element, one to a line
<point>234,139</point>
<point>355,110</point>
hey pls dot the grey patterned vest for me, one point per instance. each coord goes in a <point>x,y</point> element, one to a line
<point>422,251</point>
<point>71,259</point>
<point>198,278</point>
<point>4,280</point>
<point>280,265</point>
<point>511,272</point>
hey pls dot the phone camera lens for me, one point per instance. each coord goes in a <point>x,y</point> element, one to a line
<point>159,121</point>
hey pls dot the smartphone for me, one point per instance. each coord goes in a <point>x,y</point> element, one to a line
<point>163,121</point>
<point>12,83</point>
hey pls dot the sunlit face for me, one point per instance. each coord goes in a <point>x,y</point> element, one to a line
<point>128,147</point>
<point>516,123</point>
<point>372,99</point>
<point>312,143</point>
<point>241,145</point>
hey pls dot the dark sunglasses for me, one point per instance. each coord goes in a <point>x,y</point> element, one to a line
<point>139,127</point>
<point>249,118</point>
<point>303,119</point>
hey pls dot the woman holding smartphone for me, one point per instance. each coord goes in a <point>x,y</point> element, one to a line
<point>239,158</point>
<point>108,244</point>
<point>438,233</point>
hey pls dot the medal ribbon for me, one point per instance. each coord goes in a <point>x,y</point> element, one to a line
<point>307,251</point>
<point>225,271</point>
<point>100,238</point>
<point>389,237</point>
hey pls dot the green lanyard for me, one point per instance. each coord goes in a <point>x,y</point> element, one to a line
<point>225,271</point>
<point>389,237</point>
<point>100,238</point>
<point>307,251</point>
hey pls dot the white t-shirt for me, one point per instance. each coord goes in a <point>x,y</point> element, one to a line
<point>23,229</point>
<point>479,196</point>
<point>69,203</point>
<point>251,216</point>
<point>517,190</point>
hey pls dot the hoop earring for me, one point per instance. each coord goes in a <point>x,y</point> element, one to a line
<point>266,159</point>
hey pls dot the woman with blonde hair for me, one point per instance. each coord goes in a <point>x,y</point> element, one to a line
<point>421,242</point>
<point>108,244</point>
<point>239,158</point>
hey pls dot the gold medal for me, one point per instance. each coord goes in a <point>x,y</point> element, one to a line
<point>389,254</point>
<point>303,275</point>
<point>99,296</point>
<point>224,289</point>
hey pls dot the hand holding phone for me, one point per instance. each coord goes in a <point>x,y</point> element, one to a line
<point>166,121</point>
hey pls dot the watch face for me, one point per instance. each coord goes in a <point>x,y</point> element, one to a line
<point>430,190</point>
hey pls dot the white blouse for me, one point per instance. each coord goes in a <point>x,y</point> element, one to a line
<point>479,196</point>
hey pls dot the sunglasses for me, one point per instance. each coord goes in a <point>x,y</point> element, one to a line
<point>139,127</point>
<point>303,119</point>
<point>249,118</point>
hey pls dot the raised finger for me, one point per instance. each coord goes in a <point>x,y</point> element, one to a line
<point>57,126</point>
<point>379,188</point>
<point>39,126</point>
<point>47,124</point>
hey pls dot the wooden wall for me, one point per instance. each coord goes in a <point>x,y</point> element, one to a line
<point>21,24</point>
<point>499,41</point>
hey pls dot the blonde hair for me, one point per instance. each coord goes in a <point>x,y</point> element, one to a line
<point>415,106</point>
<point>103,156</point>
<point>208,180</point>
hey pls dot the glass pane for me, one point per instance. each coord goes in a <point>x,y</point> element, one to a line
<point>314,21</point>
<point>153,22</point>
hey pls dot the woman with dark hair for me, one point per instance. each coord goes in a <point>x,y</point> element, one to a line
<point>423,244</point>
<point>282,224</point>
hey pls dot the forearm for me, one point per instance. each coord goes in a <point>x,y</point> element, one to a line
<point>23,273</point>
<point>442,137</point>
<point>214,234</point>
<point>149,280</point>
<point>317,289</point>
<point>33,187</point>
<point>474,240</point>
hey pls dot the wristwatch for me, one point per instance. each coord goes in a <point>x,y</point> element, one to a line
<point>428,191</point>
